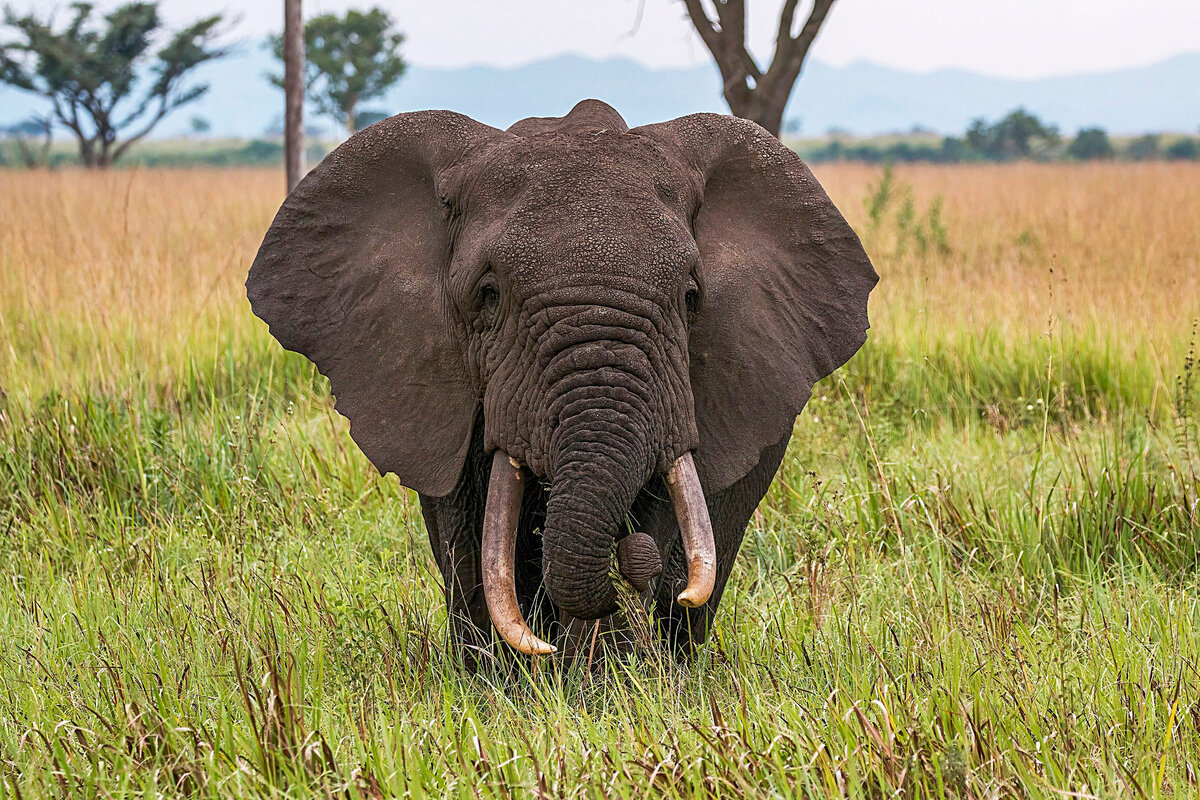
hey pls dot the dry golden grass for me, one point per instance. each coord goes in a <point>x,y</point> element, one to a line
<point>133,268</point>
<point>105,274</point>
<point>1116,246</point>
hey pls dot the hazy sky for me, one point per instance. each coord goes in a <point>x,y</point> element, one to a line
<point>1015,38</point>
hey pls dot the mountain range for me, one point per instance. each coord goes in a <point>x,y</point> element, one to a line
<point>860,98</point>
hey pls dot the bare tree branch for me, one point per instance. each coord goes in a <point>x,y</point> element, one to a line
<point>637,20</point>
<point>725,39</point>
<point>732,16</point>
<point>704,26</point>
<point>751,92</point>
<point>808,33</point>
<point>783,38</point>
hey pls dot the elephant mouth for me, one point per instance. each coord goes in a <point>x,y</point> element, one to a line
<point>501,517</point>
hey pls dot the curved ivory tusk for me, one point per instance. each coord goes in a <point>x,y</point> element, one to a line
<point>499,554</point>
<point>694,525</point>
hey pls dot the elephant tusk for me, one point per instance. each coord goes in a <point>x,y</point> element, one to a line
<point>696,529</point>
<point>499,554</point>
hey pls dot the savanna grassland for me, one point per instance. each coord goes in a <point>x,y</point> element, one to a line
<point>976,575</point>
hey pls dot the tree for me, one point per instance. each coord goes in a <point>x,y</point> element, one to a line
<point>752,93</point>
<point>91,72</point>
<point>1144,148</point>
<point>1019,135</point>
<point>1183,150</point>
<point>292,50</point>
<point>1090,144</point>
<point>349,59</point>
<point>953,149</point>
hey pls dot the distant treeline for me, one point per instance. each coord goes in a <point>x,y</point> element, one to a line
<point>183,152</point>
<point>1017,136</point>
<point>228,153</point>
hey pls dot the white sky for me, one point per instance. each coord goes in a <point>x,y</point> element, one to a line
<point>1013,38</point>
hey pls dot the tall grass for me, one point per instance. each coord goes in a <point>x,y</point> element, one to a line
<point>975,575</point>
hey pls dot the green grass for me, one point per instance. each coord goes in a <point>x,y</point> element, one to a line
<point>209,593</point>
<point>975,576</point>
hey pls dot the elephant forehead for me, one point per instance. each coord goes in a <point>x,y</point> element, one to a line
<point>603,204</point>
<point>559,164</point>
<point>600,235</point>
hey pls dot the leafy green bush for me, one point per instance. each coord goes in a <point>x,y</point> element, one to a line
<point>1183,150</point>
<point>1018,135</point>
<point>1090,144</point>
<point>1144,148</point>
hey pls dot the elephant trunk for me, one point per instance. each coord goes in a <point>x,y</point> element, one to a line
<point>603,457</point>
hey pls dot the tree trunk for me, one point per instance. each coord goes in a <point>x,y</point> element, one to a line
<point>104,158</point>
<point>762,106</point>
<point>293,89</point>
<point>753,93</point>
<point>87,152</point>
<point>28,155</point>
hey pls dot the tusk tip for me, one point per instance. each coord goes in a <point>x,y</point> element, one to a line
<point>537,648</point>
<point>689,599</point>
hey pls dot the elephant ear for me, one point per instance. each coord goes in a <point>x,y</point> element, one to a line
<point>784,280</point>
<point>352,274</point>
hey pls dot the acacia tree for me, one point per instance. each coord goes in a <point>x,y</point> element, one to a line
<point>349,59</point>
<point>752,93</point>
<point>93,71</point>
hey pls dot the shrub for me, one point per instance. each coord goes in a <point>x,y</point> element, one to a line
<point>1090,144</point>
<point>1145,148</point>
<point>1183,150</point>
<point>1019,135</point>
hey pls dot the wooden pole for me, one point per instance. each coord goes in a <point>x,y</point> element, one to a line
<point>293,90</point>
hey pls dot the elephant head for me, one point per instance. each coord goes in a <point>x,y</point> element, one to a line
<point>614,304</point>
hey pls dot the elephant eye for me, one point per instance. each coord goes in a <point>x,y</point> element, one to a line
<point>489,297</point>
<point>691,297</point>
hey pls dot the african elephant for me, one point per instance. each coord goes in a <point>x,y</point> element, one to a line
<point>565,331</point>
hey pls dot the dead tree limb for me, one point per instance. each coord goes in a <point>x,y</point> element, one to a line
<point>752,93</point>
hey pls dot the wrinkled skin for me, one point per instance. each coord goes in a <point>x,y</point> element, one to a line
<point>593,301</point>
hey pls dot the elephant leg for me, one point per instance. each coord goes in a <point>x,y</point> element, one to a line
<point>456,548</point>
<point>730,511</point>
<point>455,526</point>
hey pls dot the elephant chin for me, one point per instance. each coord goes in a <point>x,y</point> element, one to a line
<point>575,567</point>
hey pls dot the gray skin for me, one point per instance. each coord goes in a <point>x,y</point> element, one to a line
<point>593,300</point>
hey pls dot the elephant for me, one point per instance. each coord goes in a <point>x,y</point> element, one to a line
<point>571,339</point>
